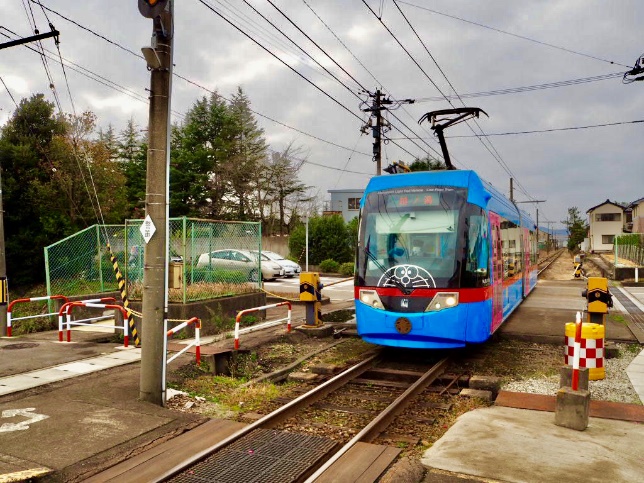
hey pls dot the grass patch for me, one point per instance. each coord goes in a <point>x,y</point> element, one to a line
<point>617,318</point>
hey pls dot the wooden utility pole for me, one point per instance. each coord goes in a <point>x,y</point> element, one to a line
<point>154,228</point>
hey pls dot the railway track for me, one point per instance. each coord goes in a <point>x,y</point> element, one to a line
<point>370,395</point>
<point>546,262</point>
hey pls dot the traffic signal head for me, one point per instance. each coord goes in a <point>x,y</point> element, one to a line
<point>152,8</point>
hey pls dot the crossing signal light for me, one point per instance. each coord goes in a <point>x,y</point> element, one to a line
<point>152,8</point>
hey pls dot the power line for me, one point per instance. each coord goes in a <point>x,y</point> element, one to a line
<point>212,9</point>
<point>516,90</point>
<point>377,82</point>
<point>8,91</point>
<point>196,84</point>
<point>515,35</point>
<point>572,128</point>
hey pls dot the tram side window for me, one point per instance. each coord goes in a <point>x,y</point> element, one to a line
<point>477,249</point>
<point>512,253</point>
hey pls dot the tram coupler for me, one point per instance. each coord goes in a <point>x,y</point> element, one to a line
<point>311,295</point>
<point>599,299</point>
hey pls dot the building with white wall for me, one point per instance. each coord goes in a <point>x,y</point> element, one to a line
<point>605,221</point>
<point>344,202</point>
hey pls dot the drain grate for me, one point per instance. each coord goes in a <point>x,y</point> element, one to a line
<point>263,456</point>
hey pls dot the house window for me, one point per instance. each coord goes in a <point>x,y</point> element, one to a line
<point>608,239</point>
<point>608,217</point>
<point>353,203</point>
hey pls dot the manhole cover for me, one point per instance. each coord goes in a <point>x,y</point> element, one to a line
<point>22,345</point>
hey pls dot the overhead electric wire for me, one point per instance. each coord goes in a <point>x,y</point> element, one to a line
<point>300,48</point>
<point>8,91</point>
<point>373,77</point>
<point>196,84</point>
<point>212,9</point>
<point>268,37</point>
<point>572,128</point>
<point>496,155</point>
<point>515,35</point>
<point>516,90</point>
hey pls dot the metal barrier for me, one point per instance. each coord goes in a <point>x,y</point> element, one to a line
<point>32,299</point>
<point>196,343</point>
<point>272,322</point>
<point>66,310</point>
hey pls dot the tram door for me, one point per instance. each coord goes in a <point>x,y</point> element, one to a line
<point>497,272</point>
<point>527,250</point>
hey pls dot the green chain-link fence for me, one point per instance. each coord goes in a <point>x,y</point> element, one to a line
<point>80,264</point>
<point>208,259</point>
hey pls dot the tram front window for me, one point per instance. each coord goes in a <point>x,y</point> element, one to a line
<point>409,238</point>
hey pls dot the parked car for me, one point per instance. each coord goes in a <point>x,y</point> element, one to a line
<point>290,267</point>
<point>241,260</point>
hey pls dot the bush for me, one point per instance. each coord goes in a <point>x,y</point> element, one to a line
<point>329,265</point>
<point>347,269</point>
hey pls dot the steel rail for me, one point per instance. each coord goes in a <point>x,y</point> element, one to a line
<point>377,425</point>
<point>554,257</point>
<point>277,416</point>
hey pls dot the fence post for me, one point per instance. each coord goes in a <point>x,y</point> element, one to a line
<point>100,257</point>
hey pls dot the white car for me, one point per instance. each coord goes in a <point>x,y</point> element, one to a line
<point>290,267</point>
<point>242,260</point>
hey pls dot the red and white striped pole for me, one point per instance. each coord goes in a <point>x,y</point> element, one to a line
<point>198,340</point>
<point>576,353</point>
<point>288,319</point>
<point>236,346</point>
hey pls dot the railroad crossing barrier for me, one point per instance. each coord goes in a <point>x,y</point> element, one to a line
<point>32,299</point>
<point>66,310</point>
<point>196,343</point>
<point>256,327</point>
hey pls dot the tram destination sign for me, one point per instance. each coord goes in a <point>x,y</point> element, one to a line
<point>415,197</point>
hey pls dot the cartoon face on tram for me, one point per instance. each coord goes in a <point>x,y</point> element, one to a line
<point>431,271</point>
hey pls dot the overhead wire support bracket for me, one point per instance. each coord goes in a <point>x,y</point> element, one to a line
<point>461,114</point>
<point>33,38</point>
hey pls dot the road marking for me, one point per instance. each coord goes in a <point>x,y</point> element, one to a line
<point>23,425</point>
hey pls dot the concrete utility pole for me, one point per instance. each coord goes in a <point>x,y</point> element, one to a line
<point>379,104</point>
<point>155,283</point>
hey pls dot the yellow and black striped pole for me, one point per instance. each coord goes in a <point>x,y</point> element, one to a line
<point>126,303</point>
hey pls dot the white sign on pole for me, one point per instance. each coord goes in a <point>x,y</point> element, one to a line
<point>147,229</point>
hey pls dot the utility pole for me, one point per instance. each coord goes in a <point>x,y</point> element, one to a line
<point>380,126</point>
<point>512,190</point>
<point>4,287</point>
<point>155,282</point>
<point>533,201</point>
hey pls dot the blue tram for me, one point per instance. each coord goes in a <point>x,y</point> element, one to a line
<point>443,259</point>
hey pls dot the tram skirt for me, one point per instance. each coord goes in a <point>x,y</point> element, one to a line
<point>592,349</point>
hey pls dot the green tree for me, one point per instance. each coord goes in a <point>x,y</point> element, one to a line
<point>247,151</point>
<point>576,226</point>
<point>427,164</point>
<point>329,238</point>
<point>132,160</point>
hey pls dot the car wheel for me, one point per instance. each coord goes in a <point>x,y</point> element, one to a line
<point>289,276</point>
<point>252,276</point>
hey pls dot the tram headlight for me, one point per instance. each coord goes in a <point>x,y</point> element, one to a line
<point>443,300</point>
<point>371,298</point>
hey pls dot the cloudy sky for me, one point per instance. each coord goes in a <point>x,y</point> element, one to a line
<point>480,47</point>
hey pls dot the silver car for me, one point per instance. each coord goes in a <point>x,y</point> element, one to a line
<point>242,260</point>
<point>290,267</point>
